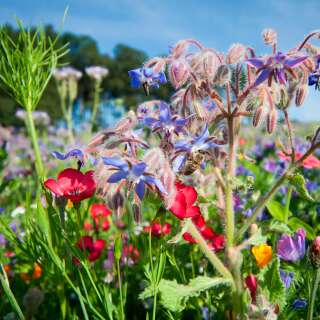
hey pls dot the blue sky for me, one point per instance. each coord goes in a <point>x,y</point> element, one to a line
<point>154,25</point>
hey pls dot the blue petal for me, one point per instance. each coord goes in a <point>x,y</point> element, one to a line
<point>178,162</point>
<point>262,77</point>
<point>116,177</point>
<point>203,136</point>
<point>156,182</point>
<point>149,122</point>
<point>77,153</point>
<point>162,77</point>
<point>138,169</point>
<point>255,62</point>
<point>140,189</point>
<point>165,114</point>
<point>147,72</point>
<point>294,62</point>
<point>115,162</point>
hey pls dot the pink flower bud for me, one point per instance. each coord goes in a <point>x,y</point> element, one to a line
<point>235,53</point>
<point>272,121</point>
<point>314,252</point>
<point>179,72</point>
<point>301,94</point>
<point>269,36</point>
<point>258,116</point>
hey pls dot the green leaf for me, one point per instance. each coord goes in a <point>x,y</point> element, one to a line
<point>295,224</point>
<point>277,210</point>
<point>272,284</point>
<point>257,239</point>
<point>174,296</point>
<point>299,183</point>
<point>280,227</point>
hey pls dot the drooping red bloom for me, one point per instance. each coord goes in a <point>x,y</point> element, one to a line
<point>252,285</point>
<point>183,205</point>
<point>157,230</point>
<point>215,241</point>
<point>72,184</point>
<point>100,213</point>
<point>94,248</point>
<point>310,162</point>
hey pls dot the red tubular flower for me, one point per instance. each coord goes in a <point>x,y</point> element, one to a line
<point>311,162</point>
<point>94,248</point>
<point>157,230</point>
<point>252,285</point>
<point>130,253</point>
<point>183,205</point>
<point>72,184</point>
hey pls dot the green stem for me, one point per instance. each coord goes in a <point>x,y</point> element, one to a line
<point>230,223</point>
<point>96,100</point>
<point>34,139</point>
<point>120,290</point>
<point>212,257</point>
<point>313,295</point>
<point>69,123</point>
<point>154,309</point>
<point>287,205</point>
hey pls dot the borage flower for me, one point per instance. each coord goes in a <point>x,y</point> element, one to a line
<point>93,248</point>
<point>146,77</point>
<point>191,145</point>
<point>166,122</point>
<point>275,67</point>
<point>78,154</point>
<point>292,248</point>
<point>72,185</point>
<point>135,174</point>
<point>158,230</point>
<point>314,77</point>
<point>286,278</point>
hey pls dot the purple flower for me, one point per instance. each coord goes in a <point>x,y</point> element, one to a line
<point>186,147</point>
<point>166,122</point>
<point>3,240</point>
<point>286,278</point>
<point>276,66</point>
<point>292,248</point>
<point>146,77</point>
<point>270,165</point>
<point>314,77</point>
<point>135,174</point>
<point>299,304</point>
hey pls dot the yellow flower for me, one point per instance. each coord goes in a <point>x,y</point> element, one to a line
<point>263,254</point>
<point>69,204</point>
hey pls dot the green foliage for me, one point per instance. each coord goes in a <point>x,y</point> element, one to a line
<point>296,223</point>
<point>26,64</point>
<point>298,181</point>
<point>277,210</point>
<point>174,296</point>
<point>271,283</point>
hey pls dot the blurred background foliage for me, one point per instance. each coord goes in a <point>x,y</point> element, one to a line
<point>84,52</point>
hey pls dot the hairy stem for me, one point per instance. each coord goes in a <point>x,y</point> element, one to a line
<point>287,205</point>
<point>313,295</point>
<point>96,100</point>
<point>212,257</point>
<point>34,139</point>
<point>228,190</point>
<point>120,290</point>
<point>263,200</point>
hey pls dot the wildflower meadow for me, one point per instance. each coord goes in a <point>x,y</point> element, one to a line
<point>203,204</point>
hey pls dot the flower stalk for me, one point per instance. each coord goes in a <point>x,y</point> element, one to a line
<point>313,294</point>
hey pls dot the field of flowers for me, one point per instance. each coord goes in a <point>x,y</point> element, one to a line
<point>204,206</point>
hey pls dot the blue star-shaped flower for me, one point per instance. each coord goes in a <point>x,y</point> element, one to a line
<point>135,174</point>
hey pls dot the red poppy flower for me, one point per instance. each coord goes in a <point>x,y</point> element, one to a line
<point>99,210</point>
<point>310,162</point>
<point>94,248</point>
<point>183,205</point>
<point>157,230</point>
<point>72,184</point>
<point>87,226</point>
<point>252,285</point>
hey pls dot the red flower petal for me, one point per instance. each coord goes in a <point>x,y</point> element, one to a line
<point>85,243</point>
<point>179,206</point>
<point>98,245</point>
<point>192,212</point>
<point>188,237</point>
<point>53,186</point>
<point>190,194</point>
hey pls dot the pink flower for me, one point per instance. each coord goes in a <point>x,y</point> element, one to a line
<point>311,162</point>
<point>157,230</point>
<point>94,248</point>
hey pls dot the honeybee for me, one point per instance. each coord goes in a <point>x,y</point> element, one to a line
<point>193,162</point>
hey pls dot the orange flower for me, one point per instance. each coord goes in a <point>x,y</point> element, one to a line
<point>69,204</point>
<point>263,254</point>
<point>7,268</point>
<point>37,272</point>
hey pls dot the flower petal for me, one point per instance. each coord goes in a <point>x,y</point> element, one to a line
<point>262,77</point>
